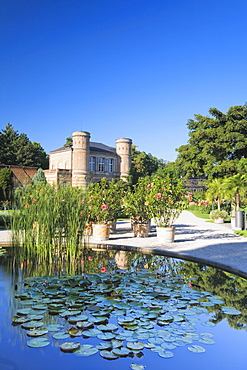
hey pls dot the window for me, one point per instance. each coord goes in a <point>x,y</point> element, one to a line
<point>101,164</point>
<point>92,163</point>
<point>110,165</point>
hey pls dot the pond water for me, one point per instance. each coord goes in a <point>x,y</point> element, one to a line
<point>122,310</point>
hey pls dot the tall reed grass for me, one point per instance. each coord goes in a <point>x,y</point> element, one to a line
<point>49,222</point>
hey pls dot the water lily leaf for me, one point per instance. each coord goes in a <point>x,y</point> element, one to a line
<point>38,343</point>
<point>54,327</point>
<point>37,333</point>
<point>69,346</point>
<point>121,352</point>
<point>165,354</point>
<point>91,333</point>
<point>39,307</point>
<point>208,323</point>
<point>137,367</point>
<point>196,349</point>
<point>107,327</point>
<point>206,340</point>
<point>108,355</point>
<point>74,332</point>
<point>60,335</point>
<point>137,346</point>
<point>106,336</point>
<point>32,324</point>
<point>73,319</point>
<point>231,311</point>
<point>20,320</point>
<point>24,311</point>
<point>104,346</point>
<point>86,350</point>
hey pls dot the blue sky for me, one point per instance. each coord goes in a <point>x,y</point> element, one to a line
<point>131,68</point>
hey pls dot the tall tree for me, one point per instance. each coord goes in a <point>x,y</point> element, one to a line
<point>216,143</point>
<point>17,149</point>
<point>6,184</point>
<point>143,165</point>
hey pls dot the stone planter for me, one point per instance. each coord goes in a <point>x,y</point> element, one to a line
<point>101,232</point>
<point>165,234</point>
<point>219,221</point>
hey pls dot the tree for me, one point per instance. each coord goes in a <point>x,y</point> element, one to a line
<point>236,187</point>
<point>39,178</point>
<point>69,141</point>
<point>17,149</point>
<point>216,191</point>
<point>142,165</point>
<point>216,143</point>
<point>6,184</point>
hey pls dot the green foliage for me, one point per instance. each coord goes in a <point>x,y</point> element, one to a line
<point>166,200</point>
<point>142,165</point>
<point>17,149</point>
<point>39,177</point>
<point>216,143</point>
<point>170,170</point>
<point>49,222</point>
<point>216,191</point>
<point>136,202</point>
<point>6,184</point>
<point>103,200</point>
<point>236,187</point>
<point>69,141</point>
<point>216,214</point>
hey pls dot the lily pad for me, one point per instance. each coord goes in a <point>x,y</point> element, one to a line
<point>91,333</point>
<point>69,346</point>
<point>137,367</point>
<point>109,355</point>
<point>137,346</point>
<point>121,352</point>
<point>54,327</point>
<point>38,342</point>
<point>106,336</point>
<point>86,350</point>
<point>37,333</point>
<point>165,354</point>
<point>32,324</point>
<point>60,335</point>
<point>196,349</point>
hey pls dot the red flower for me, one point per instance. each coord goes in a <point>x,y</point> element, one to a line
<point>103,269</point>
<point>90,258</point>
<point>34,200</point>
<point>26,205</point>
<point>104,207</point>
<point>159,195</point>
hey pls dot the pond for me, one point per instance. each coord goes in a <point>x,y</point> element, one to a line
<point>120,310</point>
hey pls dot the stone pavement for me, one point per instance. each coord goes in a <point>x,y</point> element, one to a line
<point>195,240</point>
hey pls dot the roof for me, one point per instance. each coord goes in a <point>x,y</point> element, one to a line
<point>94,147</point>
<point>22,175</point>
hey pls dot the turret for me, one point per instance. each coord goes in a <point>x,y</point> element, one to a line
<point>123,148</point>
<point>81,158</point>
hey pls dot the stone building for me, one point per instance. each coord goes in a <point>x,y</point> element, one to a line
<point>84,161</point>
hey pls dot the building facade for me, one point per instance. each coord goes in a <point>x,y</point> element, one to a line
<point>84,161</point>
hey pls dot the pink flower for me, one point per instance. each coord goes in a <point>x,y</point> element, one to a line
<point>26,205</point>
<point>82,261</point>
<point>103,269</point>
<point>90,258</point>
<point>83,201</point>
<point>34,200</point>
<point>164,188</point>
<point>104,207</point>
<point>159,195</point>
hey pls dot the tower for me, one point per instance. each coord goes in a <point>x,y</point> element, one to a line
<point>123,148</point>
<point>81,158</point>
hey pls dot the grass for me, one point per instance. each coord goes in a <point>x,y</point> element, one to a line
<point>241,232</point>
<point>200,215</point>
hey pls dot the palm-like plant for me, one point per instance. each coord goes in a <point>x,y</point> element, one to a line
<point>216,191</point>
<point>236,187</point>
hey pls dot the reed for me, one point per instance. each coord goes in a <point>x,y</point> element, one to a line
<point>49,221</point>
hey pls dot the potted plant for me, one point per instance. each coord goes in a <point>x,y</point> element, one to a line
<point>166,201</point>
<point>103,202</point>
<point>137,207</point>
<point>218,216</point>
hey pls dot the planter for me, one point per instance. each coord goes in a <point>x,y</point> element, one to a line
<point>165,234</point>
<point>219,221</point>
<point>141,230</point>
<point>88,230</point>
<point>113,227</point>
<point>101,232</point>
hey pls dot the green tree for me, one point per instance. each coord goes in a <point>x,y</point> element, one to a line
<point>216,143</point>
<point>169,170</point>
<point>216,191</point>
<point>142,165</point>
<point>6,184</point>
<point>69,141</point>
<point>39,178</point>
<point>236,187</point>
<point>17,149</point>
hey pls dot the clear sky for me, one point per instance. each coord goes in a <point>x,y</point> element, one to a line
<point>119,68</point>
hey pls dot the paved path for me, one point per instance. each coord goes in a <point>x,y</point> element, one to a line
<point>195,239</point>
